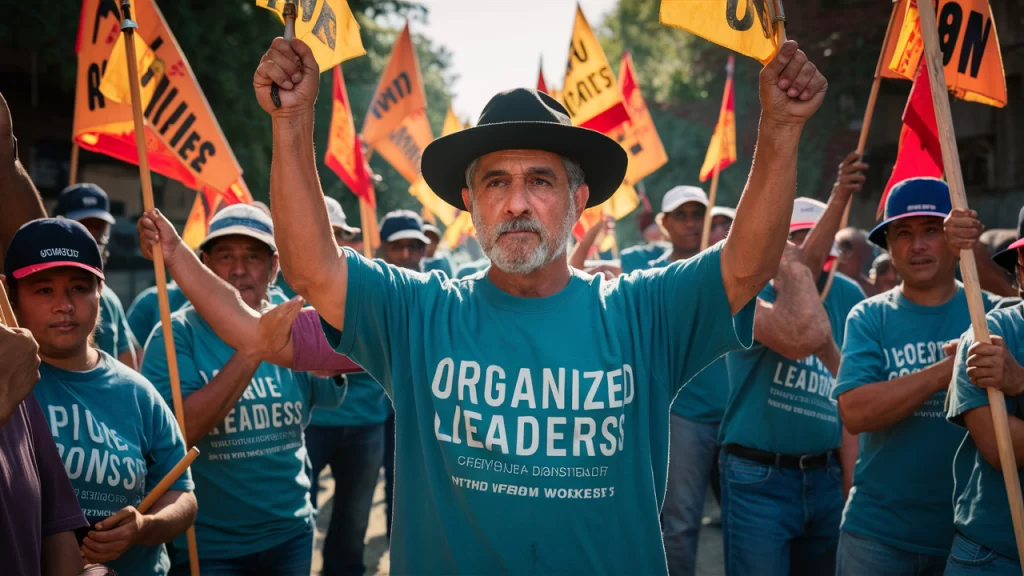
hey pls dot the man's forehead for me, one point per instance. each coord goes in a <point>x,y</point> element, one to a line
<point>522,160</point>
<point>238,242</point>
<point>66,273</point>
<point>915,221</point>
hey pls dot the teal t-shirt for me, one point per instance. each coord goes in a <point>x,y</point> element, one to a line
<point>117,439</point>
<point>472,268</point>
<point>532,433</point>
<point>144,313</point>
<point>785,406</point>
<point>703,398</point>
<point>364,404</point>
<point>639,257</point>
<point>251,477</point>
<point>902,481</point>
<point>441,263</point>
<point>112,334</point>
<point>981,509</point>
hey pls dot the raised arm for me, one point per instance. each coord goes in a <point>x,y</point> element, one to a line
<point>791,90</point>
<point>816,247</point>
<point>578,258</point>
<point>795,325</point>
<point>310,258</point>
<point>18,195</point>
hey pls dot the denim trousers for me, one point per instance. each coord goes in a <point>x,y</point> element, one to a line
<point>291,558</point>
<point>861,555</point>
<point>968,558</point>
<point>692,452</point>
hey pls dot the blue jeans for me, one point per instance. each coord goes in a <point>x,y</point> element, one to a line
<point>780,521</point>
<point>968,559</point>
<point>691,458</point>
<point>291,558</point>
<point>859,555</point>
<point>354,454</point>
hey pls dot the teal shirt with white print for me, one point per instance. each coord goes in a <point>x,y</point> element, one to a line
<point>117,439</point>
<point>532,433</point>
<point>112,334</point>
<point>981,511</point>
<point>251,476</point>
<point>703,398</point>
<point>902,481</point>
<point>785,406</point>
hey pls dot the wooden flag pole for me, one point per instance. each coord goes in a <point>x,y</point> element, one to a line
<point>128,27</point>
<point>165,484</point>
<point>779,18</point>
<point>73,169</point>
<point>7,317</point>
<point>865,126</point>
<point>705,235</point>
<point>968,266</point>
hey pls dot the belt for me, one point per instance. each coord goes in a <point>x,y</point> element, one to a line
<point>798,462</point>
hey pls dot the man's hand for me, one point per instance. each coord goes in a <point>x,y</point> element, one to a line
<point>992,366</point>
<point>796,279</point>
<point>155,229</point>
<point>792,88</point>
<point>275,329</point>
<point>113,536</point>
<point>962,229</point>
<point>851,175</point>
<point>293,68</point>
<point>950,348</point>
<point>20,373</point>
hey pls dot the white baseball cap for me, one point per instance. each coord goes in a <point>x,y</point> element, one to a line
<point>680,195</point>
<point>241,220</point>
<point>337,216</point>
<point>729,213</point>
<point>806,213</point>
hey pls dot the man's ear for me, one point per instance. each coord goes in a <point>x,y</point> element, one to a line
<point>582,196</point>
<point>466,199</point>
<point>275,267</point>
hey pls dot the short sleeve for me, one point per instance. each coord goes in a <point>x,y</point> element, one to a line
<point>142,315</point>
<point>128,341</point>
<point>690,315</point>
<point>61,512</point>
<point>990,300</point>
<point>154,360</point>
<point>964,396</point>
<point>377,305</point>
<point>165,444</point>
<point>310,349</point>
<point>863,357</point>
<point>324,392</point>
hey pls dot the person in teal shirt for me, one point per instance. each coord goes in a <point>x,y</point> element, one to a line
<point>144,312</point>
<point>471,268</point>
<point>891,391</point>
<point>984,541</point>
<point>115,436</point>
<point>532,401</point>
<point>246,416</point>
<point>780,465</point>
<point>89,204</point>
<point>432,261</point>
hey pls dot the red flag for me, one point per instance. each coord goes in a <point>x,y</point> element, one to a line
<point>722,150</point>
<point>920,153</point>
<point>541,84</point>
<point>344,148</point>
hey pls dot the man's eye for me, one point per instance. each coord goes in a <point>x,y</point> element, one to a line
<point>540,182</point>
<point>44,291</point>
<point>495,183</point>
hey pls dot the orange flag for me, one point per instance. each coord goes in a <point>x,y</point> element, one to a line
<point>970,49</point>
<point>404,145</point>
<point>183,140</point>
<point>344,149</point>
<point>745,27</point>
<point>326,26</point>
<point>722,150</point>
<point>589,92</point>
<point>399,95</point>
<point>421,191</point>
<point>638,137</point>
<point>459,230</point>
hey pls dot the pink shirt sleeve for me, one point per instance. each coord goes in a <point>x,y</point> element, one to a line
<point>310,349</point>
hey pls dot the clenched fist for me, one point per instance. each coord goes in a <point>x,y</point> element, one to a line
<point>291,65</point>
<point>792,88</point>
<point>21,368</point>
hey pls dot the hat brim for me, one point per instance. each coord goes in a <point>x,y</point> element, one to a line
<point>446,159</point>
<point>1008,258</point>
<point>670,207</point>
<point>239,231</point>
<point>79,215</point>
<point>408,235</point>
<point>29,270</point>
<point>798,226</point>
<point>346,228</point>
<point>877,236</point>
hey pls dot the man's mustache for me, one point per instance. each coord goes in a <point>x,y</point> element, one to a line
<point>519,225</point>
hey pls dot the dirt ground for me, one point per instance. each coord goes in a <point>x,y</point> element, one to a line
<point>378,562</point>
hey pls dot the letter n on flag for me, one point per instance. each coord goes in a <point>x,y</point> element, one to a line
<point>920,153</point>
<point>722,151</point>
<point>344,149</point>
<point>741,26</point>
<point>399,93</point>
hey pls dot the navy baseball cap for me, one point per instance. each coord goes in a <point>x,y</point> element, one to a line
<point>51,243</point>
<point>402,225</point>
<point>1008,258</point>
<point>912,197</point>
<point>81,201</point>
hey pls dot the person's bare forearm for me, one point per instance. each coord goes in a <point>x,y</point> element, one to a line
<point>578,258</point>
<point>172,514</point>
<point>206,407</point>
<point>979,424</point>
<point>791,325</point>
<point>884,404</point>
<point>816,247</point>
<point>758,235</point>
<point>309,255</point>
<point>19,200</point>
<point>830,357</point>
<point>61,556</point>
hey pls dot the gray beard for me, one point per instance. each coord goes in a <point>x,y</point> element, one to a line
<point>516,262</point>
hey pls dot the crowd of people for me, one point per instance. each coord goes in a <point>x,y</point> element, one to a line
<point>536,413</point>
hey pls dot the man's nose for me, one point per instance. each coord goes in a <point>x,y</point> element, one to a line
<point>517,199</point>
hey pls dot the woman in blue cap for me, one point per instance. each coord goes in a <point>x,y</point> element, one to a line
<point>115,435</point>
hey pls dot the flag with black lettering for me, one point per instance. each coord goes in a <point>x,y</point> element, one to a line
<point>639,137</point>
<point>970,49</point>
<point>183,139</point>
<point>589,92</point>
<point>399,95</point>
<point>326,26</point>
<point>744,26</point>
<point>419,189</point>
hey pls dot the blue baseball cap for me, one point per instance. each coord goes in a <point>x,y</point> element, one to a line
<point>241,220</point>
<point>402,225</point>
<point>912,197</point>
<point>51,243</point>
<point>1008,258</point>
<point>81,201</point>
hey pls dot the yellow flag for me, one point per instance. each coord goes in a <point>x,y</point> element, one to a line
<point>419,189</point>
<point>404,146</point>
<point>589,92</point>
<point>459,230</point>
<point>399,94</point>
<point>451,123</point>
<point>741,26</point>
<point>622,203</point>
<point>115,85</point>
<point>327,26</point>
<point>638,137</point>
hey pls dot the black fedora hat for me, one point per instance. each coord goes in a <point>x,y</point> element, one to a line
<point>523,119</point>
